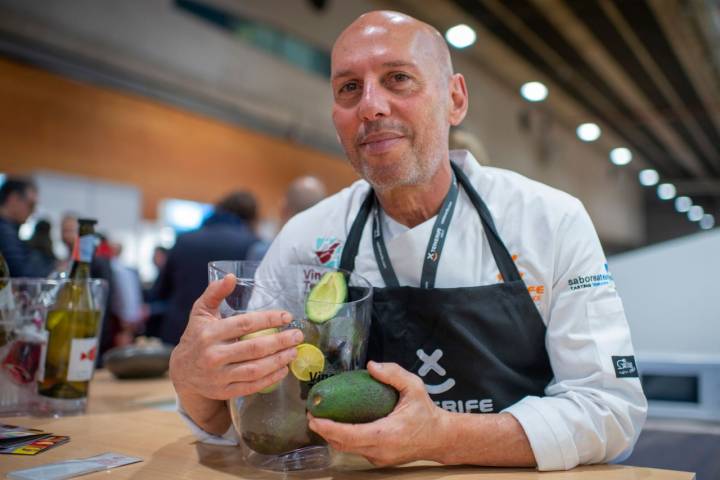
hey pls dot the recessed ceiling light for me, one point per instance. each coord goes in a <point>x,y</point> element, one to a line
<point>666,191</point>
<point>683,204</point>
<point>588,132</point>
<point>534,92</point>
<point>460,36</point>
<point>648,177</point>
<point>707,222</point>
<point>620,156</point>
<point>695,214</point>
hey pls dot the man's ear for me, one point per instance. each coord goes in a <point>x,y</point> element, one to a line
<point>458,99</point>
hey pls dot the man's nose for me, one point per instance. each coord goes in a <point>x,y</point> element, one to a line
<point>374,102</point>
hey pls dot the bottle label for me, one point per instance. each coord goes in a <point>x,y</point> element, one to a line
<point>86,248</point>
<point>82,359</point>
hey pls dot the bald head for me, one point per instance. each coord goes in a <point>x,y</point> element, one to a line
<point>380,23</point>
<point>303,193</point>
<point>395,98</point>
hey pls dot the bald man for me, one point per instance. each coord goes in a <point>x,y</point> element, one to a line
<point>303,193</point>
<point>494,313</point>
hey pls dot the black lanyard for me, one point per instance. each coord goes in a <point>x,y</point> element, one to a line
<point>434,248</point>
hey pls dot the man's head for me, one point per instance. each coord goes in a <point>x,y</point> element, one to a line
<point>18,197</point>
<point>69,230</point>
<point>241,204</point>
<point>303,193</point>
<point>395,98</point>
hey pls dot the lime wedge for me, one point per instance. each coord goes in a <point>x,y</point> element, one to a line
<point>326,298</point>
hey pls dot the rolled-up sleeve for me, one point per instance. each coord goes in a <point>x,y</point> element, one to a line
<point>229,438</point>
<point>594,408</point>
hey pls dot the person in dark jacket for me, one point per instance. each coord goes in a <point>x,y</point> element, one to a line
<point>18,197</point>
<point>226,235</point>
<point>42,255</point>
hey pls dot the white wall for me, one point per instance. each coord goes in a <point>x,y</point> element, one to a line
<point>672,296</point>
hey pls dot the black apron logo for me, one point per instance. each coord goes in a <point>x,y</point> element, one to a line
<point>625,367</point>
<point>431,363</point>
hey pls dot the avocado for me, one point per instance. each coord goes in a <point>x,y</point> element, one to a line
<point>326,298</point>
<point>351,397</point>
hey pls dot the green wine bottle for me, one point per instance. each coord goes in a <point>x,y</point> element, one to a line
<point>72,326</point>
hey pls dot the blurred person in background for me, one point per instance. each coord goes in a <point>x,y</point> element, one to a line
<point>42,257</point>
<point>155,308</point>
<point>68,233</point>
<point>303,193</point>
<point>126,304</point>
<point>18,197</point>
<point>461,139</point>
<point>226,235</point>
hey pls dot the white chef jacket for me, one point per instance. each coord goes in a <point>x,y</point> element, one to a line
<point>588,413</point>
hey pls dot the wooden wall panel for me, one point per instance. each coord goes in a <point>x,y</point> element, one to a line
<point>48,122</point>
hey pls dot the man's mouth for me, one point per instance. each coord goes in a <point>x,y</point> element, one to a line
<point>377,143</point>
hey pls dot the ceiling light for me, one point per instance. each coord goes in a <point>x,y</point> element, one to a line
<point>588,132</point>
<point>695,214</point>
<point>620,156</point>
<point>683,204</point>
<point>666,191</point>
<point>534,92</point>
<point>460,36</point>
<point>648,177</point>
<point>707,222</point>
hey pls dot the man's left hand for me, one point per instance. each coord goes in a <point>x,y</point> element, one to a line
<point>412,431</point>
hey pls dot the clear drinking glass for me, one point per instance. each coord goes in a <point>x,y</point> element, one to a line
<point>272,425</point>
<point>23,311</point>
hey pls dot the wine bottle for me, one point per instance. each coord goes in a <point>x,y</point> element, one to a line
<point>72,325</point>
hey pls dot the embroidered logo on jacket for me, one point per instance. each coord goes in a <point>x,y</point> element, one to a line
<point>592,280</point>
<point>625,366</point>
<point>327,250</point>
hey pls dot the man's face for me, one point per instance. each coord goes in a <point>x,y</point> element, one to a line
<point>22,205</point>
<point>69,231</point>
<point>390,105</point>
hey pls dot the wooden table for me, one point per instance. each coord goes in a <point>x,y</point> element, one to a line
<point>118,422</point>
<point>109,395</point>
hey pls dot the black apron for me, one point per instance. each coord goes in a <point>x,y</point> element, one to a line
<point>477,349</point>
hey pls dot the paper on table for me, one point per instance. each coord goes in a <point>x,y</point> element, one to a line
<point>73,468</point>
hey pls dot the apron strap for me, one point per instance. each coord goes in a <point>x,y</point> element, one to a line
<point>503,259</point>
<point>347,259</point>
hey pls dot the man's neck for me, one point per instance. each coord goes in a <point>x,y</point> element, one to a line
<point>411,205</point>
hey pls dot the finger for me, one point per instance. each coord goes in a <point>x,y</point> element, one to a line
<point>394,375</point>
<point>242,389</point>
<point>214,294</point>
<point>351,436</point>
<point>234,327</point>
<point>260,347</point>
<point>255,370</point>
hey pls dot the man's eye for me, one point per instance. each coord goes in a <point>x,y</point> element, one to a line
<point>399,77</point>
<point>348,87</point>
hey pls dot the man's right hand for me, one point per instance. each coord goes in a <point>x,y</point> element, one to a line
<point>211,362</point>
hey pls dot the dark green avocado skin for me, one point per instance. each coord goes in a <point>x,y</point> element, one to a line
<point>351,397</point>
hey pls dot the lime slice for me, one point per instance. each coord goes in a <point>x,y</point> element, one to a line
<point>326,298</point>
<point>309,362</point>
